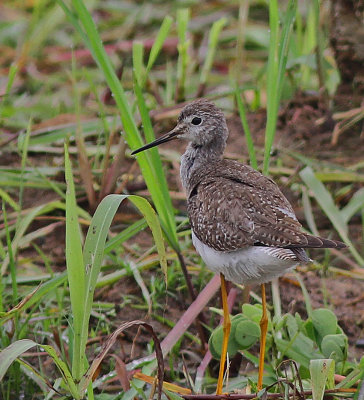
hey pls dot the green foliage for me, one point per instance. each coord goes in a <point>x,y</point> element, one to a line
<point>66,92</point>
<point>317,337</point>
<point>322,376</point>
<point>339,218</point>
<point>83,269</point>
<point>277,60</point>
<point>245,332</point>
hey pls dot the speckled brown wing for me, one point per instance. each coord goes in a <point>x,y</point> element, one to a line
<point>232,206</point>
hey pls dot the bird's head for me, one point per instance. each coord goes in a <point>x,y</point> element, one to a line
<point>199,122</point>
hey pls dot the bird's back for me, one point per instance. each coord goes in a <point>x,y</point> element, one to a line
<point>232,206</point>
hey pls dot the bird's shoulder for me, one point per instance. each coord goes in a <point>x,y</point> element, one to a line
<point>228,180</point>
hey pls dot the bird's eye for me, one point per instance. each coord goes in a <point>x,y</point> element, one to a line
<point>196,121</point>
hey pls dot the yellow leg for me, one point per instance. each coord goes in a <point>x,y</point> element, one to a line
<point>226,330</point>
<point>263,336</point>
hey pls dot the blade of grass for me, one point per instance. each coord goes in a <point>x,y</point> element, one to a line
<point>24,153</point>
<point>271,81</point>
<point>35,296</point>
<point>183,17</point>
<point>211,50</point>
<point>7,199</point>
<point>354,205</point>
<point>321,72</point>
<point>13,179</point>
<point>277,60</point>
<point>306,296</point>
<point>11,257</point>
<point>126,234</point>
<point>23,225</point>
<point>143,287</point>
<point>85,166</point>
<point>159,176</point>
<point>322,375</point>
<point>307,209</point>
<point>11,76</point>
<point>149,214</point>
<point>327,204</point>
<point>158,43</point>
<point>60,132</point>
<point>13,351</point>
<point>132,136</point>
<point>94,247</point>
<point>75,271</point>
<point>66,374</point>
<point>138,63</point>
<point>240,40</point>
<point>248,135</point>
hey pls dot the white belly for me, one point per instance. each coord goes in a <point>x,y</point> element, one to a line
<point>250,265</point>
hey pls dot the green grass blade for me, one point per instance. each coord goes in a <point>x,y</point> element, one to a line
<point>354,205</point>
<point>322,375</point>
<point>93,254</point>
<point>75,270</point>
<point>138,64</point>
<point>62,367</point>
<point>162,198</point>
<point>158,43</point>
<point>183,17</point>
<point>95,246</point>
<point>126,234</point>
<point>271,81</point>
<point>24,154</point>
<point>62,131</point>
<point>307,209</point>
<point>211,50</point>
<point>149,214</point>
<point>11,76</point>
<point>12,352</point>
<point>96,47</point>
<point>10,257</point>
<point>70,15</point>
<point>283,46</point>
<point>23,225</point>
<point>7,199</point>
<point>327,204</point>
<point>248,135</point>
<point>35,297</point>
<point>277,60</point>
<point>132,134</point>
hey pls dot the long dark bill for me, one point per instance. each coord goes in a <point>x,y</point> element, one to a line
<point>173,134</point>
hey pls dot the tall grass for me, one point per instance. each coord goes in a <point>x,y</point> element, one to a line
<point>277,61</point>
<point>83,268</point>
<point>84,262</point>
<point>156,182</point>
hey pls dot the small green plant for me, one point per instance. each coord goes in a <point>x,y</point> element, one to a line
<point>83,269</point>
<point>317,337</point>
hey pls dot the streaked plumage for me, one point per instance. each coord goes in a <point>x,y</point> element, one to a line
<point>243,226</point>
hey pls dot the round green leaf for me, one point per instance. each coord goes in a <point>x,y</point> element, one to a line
<point>253,312</point>
<point>334,346</point>
<point>246,334</point>
<point>324,322</point>
<point>215,342</point>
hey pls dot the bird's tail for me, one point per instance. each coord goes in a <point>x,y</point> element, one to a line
<point>319,242</point>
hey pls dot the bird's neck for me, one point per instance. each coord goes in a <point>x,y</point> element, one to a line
<point>196,156</point>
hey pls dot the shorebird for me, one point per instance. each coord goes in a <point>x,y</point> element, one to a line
<point>243,227</point>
